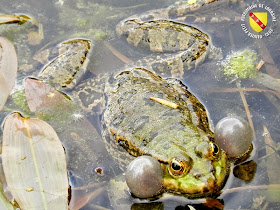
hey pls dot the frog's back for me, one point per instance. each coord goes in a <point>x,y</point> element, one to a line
<point>143,126</point>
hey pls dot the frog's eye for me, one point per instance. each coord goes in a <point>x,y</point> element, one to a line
<point>214,150</point>
<point>178,167</point>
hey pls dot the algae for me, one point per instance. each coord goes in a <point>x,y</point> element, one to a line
<point>240,65</point>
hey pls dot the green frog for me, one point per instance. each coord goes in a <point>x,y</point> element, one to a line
<point>135,123</point>
<point>144,114</point>
<point>184,46</point>
<point>141,112</point>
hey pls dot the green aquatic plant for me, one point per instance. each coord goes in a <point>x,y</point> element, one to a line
<point>240,64</point>
<point>191,1</point>
<point>19,100</point>
<point>87,19</point>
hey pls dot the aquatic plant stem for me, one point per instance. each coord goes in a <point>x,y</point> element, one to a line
<point>246,108</point>
<point>258,187</point>
<point>116,53</point>
<point>233,90</point>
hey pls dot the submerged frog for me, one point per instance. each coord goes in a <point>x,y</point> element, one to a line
<point>184,46</point>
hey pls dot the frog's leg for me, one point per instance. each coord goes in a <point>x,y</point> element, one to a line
<point>177,64</point>
<point>68,63</point>
<point>184,46</point>
<point>89,95</point>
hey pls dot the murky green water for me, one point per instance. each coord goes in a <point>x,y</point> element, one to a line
<point>96,20</point>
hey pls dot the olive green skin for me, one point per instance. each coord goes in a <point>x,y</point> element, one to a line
<point>134,125</point>
<point>184,46</point>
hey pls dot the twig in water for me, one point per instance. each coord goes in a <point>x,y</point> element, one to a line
<point>120,56</point>
<point>246,109</point>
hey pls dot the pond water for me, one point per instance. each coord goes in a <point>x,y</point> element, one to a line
<point>90,166</point>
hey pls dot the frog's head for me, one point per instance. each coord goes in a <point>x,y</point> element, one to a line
<point>195,172</point>
<point>125,27</point>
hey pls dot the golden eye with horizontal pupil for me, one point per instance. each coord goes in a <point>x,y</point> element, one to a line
<point>178,167</point>
<point>214,150</point>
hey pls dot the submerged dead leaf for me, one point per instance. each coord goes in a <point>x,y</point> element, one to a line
<point>4,91</point>
<point>8,69</point>
<point>20,19</point>
<point>34,164</point>
<point>245,171</point>
<point>213,203</point>
<point>9,19</point>
<point>35,37</point>
<point>45,101</point>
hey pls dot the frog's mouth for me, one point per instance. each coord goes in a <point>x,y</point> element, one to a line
<point>193,186</point>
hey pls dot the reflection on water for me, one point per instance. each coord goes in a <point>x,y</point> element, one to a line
<point>92,172</point>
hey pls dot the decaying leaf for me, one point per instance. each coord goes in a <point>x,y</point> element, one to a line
<point>34,164</point>
<point>46,102</point>
<point>8,69</point>
<point>20,19</point>
<point>268,81</point>
<point>213,203</point>
<point>9,19</point>
<point>34,37</point>
<point>245,171</point>
<point>4,91</point>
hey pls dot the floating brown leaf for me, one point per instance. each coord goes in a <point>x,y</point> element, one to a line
<point>34,164</point>
<point>8,69</point>
<point>45,101</point>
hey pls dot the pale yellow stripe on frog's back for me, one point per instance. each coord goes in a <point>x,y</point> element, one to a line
<point>157,38</point>
<point>135,36</point>
<point>177,70</point>
<point>184,40</point>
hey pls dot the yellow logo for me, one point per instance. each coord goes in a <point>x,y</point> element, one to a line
<point>258,20</point>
